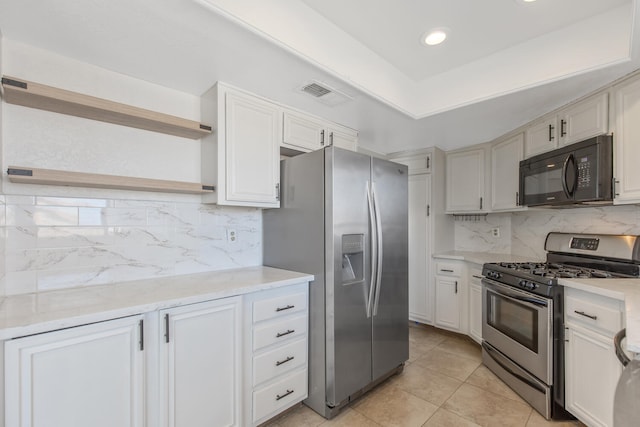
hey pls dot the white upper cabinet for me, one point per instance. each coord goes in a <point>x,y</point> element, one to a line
<point>304,132</point>
<point>584,120</point>
<point>541,137</point>
<point>575,123</point>
<point>627,142</point>
<point>417,163</point>
<point>342,136</point>
<point>466,181</point>
<point>242,159</point>
<point>505,173</point>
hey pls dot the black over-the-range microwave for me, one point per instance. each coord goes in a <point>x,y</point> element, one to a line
<point>580,173</point>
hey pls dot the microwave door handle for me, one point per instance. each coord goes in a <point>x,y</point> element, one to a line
<point>565,166</point>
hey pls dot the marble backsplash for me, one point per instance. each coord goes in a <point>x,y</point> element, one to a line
<point>57,242</point>
<point>524,233</point>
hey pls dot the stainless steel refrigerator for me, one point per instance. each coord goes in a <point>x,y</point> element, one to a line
<point>343,218</point>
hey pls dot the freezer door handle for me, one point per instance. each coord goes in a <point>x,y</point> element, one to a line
<point>374,250</point>
<point>378,242</point>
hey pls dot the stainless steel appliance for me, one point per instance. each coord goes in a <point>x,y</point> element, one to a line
<point>523,316</point>
<point>580,173</point>
<point>343,218</point>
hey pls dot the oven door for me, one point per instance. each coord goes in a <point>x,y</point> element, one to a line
<point>519,325</point>
<point>548,181</point>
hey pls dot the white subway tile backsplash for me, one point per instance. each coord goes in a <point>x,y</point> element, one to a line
<point>19,282</point>
<point>26,215</point>
<point>524,233</point>
<point>57,242</point>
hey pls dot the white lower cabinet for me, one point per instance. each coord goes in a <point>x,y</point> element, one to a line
<point>276,357</point>
<point>233,361</point>
<point>200,362</point>
<point>92,375</point>
<point>450,289</point>
<point>592,369</point>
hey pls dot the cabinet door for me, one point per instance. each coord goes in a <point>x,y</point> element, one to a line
<point>253,134</point>
<point>465,181</point>
<point>420,305</point>
<point>540,137</point>
<point>200,364</point>
<point>585,120</point>
<point>342,137</point>
<point>475,309</point>
<point>448,302</point>
<point>303,132</point>
<point>505,173</point>
<point>627,148</point>
<point>591,373</point>
<point>89,375</point>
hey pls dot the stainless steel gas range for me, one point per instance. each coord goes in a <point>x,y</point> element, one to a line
<point>523,315</point>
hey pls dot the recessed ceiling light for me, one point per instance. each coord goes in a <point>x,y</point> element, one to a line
<point>435,36</point>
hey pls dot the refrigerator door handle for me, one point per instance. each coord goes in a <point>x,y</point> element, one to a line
<point>374,250</point>
<point>376,207</point>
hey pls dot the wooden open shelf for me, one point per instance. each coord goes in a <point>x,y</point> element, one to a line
<point>26,175</point>
<point>35,95</point>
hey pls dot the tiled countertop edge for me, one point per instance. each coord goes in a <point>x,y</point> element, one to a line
<point>41,312</point>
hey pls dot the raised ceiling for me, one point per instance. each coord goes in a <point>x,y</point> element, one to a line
<point>505,62</point>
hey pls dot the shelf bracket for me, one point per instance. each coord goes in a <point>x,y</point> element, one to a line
<point>20,172</point>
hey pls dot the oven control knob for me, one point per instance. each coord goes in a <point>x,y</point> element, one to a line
<point>522,283</point>
<point>494,275</point>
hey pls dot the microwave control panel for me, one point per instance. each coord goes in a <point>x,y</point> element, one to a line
<point>584,172</point>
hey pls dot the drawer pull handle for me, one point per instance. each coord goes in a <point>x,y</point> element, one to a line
<point>282,334</point>
<point>582,313</point>
<point>282,362</point>
<point>288,307</point>
<point>446,271</point>
<point>278,397</point>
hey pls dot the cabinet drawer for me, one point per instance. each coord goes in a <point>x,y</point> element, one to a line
<point>282,394</point>
<point>279,360</point>
<point>281,306</point>
<point>279,331</point>
<point>445,269</point>
<point>593,310</point>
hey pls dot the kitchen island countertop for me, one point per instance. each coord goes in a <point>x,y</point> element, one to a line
<point>45,311</point>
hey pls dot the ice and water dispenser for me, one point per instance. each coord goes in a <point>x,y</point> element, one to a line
<point>352,258</point>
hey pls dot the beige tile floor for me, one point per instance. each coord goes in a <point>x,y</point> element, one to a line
<point>443,385</point>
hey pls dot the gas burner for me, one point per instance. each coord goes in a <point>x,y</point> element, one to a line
<point>600,274</point>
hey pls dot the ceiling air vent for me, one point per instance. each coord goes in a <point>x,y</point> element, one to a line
<point>324,93</point>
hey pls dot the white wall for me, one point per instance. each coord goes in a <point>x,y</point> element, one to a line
<point>60,237</point>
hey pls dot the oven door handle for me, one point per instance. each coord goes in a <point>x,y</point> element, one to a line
<point>525,380</point>
<point>515,295</point>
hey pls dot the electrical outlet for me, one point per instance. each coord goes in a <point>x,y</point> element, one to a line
<point>232,235</point>
<point>495,232</point>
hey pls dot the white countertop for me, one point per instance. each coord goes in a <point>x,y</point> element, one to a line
<point>40,312</point>
<point>481,257</point>
<point>627,290</point>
